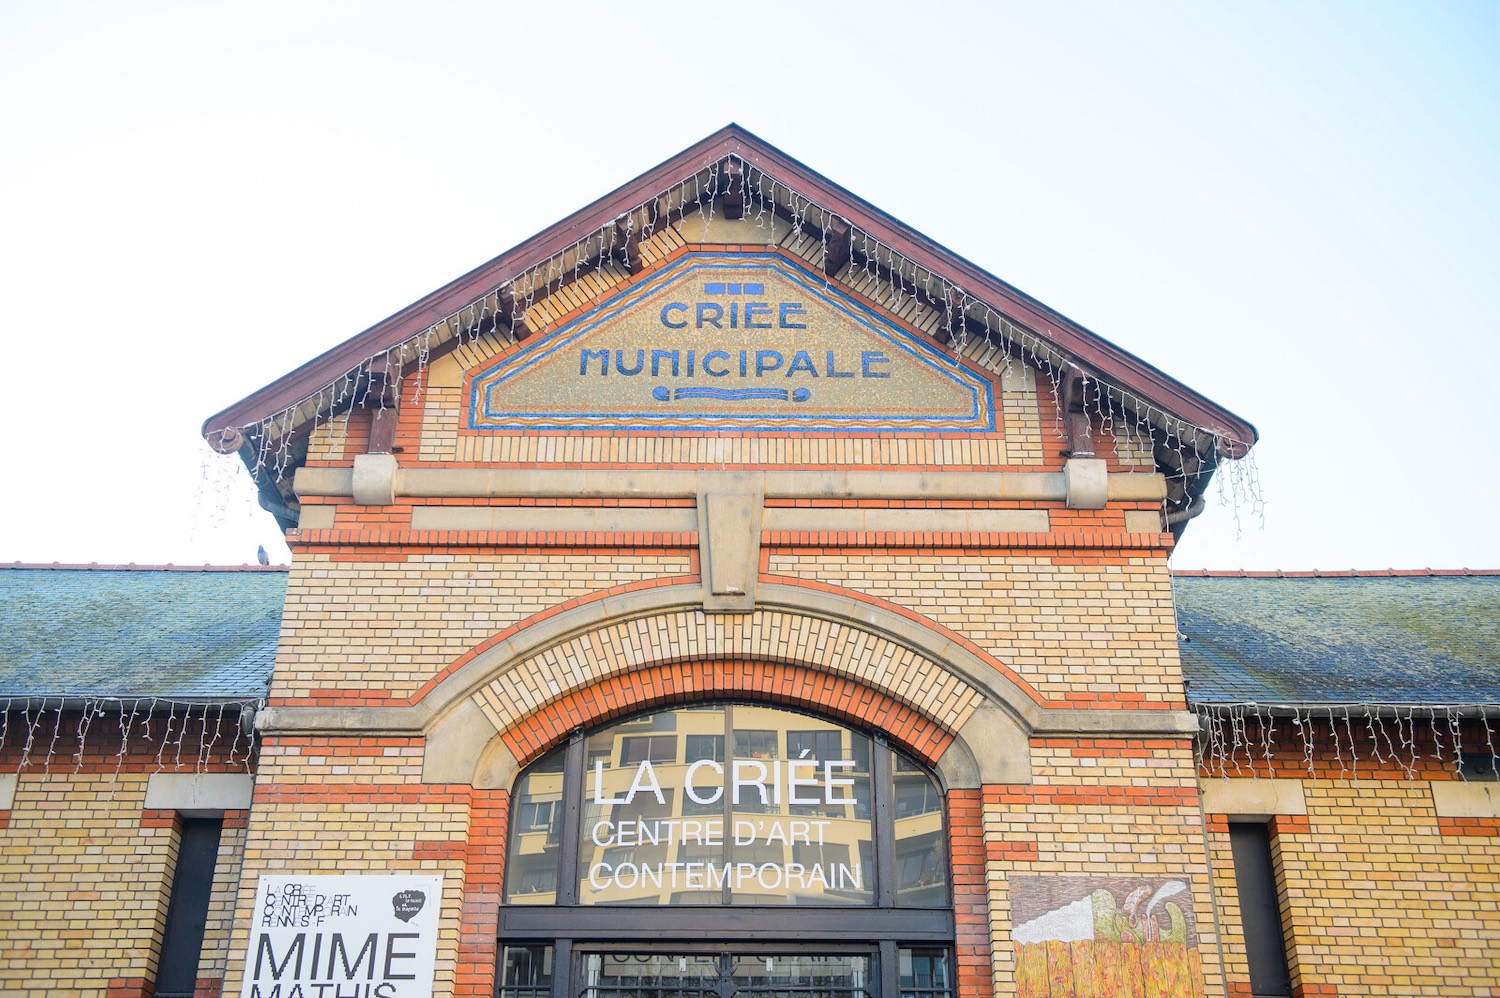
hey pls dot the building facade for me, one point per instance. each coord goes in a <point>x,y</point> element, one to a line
<point>729,591</point>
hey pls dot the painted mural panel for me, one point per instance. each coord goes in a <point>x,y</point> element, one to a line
<point>1080,937</point>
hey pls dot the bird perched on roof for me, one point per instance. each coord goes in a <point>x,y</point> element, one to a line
<point>261,556</point>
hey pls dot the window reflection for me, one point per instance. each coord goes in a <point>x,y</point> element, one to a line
<point>729,804</point>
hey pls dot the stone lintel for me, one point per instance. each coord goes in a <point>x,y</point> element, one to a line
<point>1062,722</point>
<point>559,519</point>
<point>1456,799</point>
<point>293,720</point>
<point>1252,799</point>
<point>899,521</point>
<point>199,793</point>
<point>7,790</point>
<point>415,720</point>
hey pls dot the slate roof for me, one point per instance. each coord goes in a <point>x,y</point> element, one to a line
<point>123,631</point>
<point>1382,638</point>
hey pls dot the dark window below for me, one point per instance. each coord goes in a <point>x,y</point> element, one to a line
<point>187,912</point>
<point>1260,913</point>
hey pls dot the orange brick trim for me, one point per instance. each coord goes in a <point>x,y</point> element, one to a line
<point>206,987</point>
<point>1093,796</point>
<point>5,819</point>
<point>1114,748</point>
<point>403,540</point>
<point>971,908</point>
<point>1218,824</point>
<point>474,974</point>
<point>1469,826</point>
<point>153,818</point>
<point>766,682</point>
<point>236,818</point>
<point>1290,824</point>
<point>395,541</point>
<point>1239,989</point>
<point>975,544</point>
<point>369,794</point>
<point>438,850</point>
<point>128,987</point>
<point>1011,852</point>
<point>1315,991</point>
<point>344,746</point>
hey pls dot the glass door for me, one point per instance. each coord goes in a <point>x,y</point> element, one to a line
<point>798,975</point>
<point>724,975</point>
<point>705,971</point>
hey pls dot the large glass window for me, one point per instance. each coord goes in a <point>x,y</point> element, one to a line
<point>726,851</point>
<point>734,804</point>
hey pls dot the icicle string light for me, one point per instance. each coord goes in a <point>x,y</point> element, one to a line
<point>875,271</point>
<point>214,724</point>
<point>1334,738</point>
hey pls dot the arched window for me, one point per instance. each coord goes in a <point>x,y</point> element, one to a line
<point>726,848</point>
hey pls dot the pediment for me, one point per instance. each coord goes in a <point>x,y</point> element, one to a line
<point>878,297</point>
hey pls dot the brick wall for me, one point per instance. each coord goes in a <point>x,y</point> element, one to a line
<point>86,868</point>
<point>1379,894</point>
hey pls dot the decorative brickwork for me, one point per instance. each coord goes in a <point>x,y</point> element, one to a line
<point>791,686</point>
<point>728,645</point>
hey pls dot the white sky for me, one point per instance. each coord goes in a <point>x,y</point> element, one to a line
<point>1291,207</point>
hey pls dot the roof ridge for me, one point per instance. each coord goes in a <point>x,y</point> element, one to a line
<point>1318,573</point>
<point>57,566</point>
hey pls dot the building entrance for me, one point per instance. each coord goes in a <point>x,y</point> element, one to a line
<point>726,850</point>
<point>710,972</point>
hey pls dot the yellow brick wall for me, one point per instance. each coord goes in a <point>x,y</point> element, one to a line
<point>86,870</point>
<point>1078,633</point>
<point>83,886</point>
<point>1379,897</point>
<point>391,626</point>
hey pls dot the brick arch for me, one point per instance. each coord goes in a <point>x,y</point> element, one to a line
<point>880,618</point>
<point>917,666</point>
<point>686,648</point>
<point>774,683</point>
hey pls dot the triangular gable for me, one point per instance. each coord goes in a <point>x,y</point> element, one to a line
<point>853,256</point>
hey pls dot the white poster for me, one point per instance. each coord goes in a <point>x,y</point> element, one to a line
<point>343,937</point>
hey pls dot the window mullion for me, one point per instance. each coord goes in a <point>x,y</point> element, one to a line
<point>572,818</point>
<point>885,825</point>
<point>890,969</point>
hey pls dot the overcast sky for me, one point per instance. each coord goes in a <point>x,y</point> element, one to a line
<point>1291,207</point>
